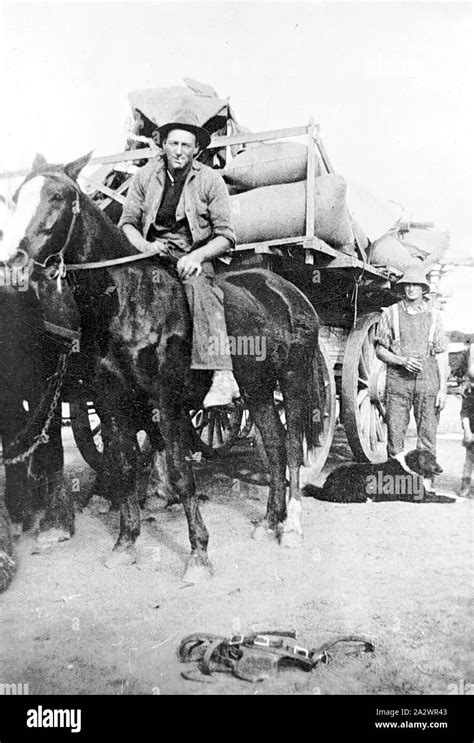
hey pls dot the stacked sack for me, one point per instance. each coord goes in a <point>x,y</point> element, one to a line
<point>268,197</point>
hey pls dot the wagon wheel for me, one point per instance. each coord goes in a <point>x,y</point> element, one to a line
<point>86,429</point>
<point>315,456</point>
<point>215,430</point>
<point>363,386</point>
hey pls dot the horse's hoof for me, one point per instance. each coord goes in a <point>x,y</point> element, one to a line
<point>48,537</point>
<point>197,570</point>
<point>291,540</point>
<point>7,569</point>
<point>16,529</point>
<point>121,558</point>
<point>263,533</point>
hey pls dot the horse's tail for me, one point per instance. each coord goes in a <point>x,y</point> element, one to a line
<point>7,562</point>
<point>316,401</point>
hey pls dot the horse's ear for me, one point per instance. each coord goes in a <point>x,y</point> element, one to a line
<point>39,162</point>
<point>73,169</point>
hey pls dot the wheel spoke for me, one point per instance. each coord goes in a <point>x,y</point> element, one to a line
<point>361,396</point>
<point>363,369</point>
<point>210,431</point>
<point>365,416</point>
<point>380,428</point>
<point>373,428</point>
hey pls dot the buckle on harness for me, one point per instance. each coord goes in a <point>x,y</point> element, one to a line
<point>301,652</point>
<point>236,639</point>
<point>262,640</point>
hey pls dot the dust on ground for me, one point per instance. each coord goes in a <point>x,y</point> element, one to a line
<point>399,573</point>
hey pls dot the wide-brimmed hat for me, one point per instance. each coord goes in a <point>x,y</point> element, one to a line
<point>187,120</point>
<point>415,274</point>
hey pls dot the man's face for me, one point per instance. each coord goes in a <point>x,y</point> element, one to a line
<point>413,291</point>
<point>180,148</point>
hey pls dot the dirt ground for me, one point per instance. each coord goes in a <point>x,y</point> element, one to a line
<point>399,573</point>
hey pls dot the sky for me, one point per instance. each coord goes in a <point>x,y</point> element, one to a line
<point>390,84</point>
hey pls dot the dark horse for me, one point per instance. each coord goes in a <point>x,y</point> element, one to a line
<point>136,331</point>
<point>29,358</point>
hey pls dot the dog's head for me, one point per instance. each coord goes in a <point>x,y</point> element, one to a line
<point>423,462</point>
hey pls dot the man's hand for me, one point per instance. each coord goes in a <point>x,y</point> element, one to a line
<point>159,245</point>
<point>440,401</point>
<point>411,364</point>
<point>468,437</point>
<point>189,265</point>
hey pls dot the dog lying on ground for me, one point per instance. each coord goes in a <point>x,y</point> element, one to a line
<point>388,481</point>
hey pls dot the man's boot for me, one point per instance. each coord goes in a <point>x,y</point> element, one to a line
<point>465,491</point>
<point>223,390</point>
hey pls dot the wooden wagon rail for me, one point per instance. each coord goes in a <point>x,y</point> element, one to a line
<point>316,252</point>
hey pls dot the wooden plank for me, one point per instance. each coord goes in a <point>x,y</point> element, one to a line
<point>113,195</point>
<point>148,152</point>
<point>123,187</point>
<point>324,155</point>
<point>279,243</point>
<point>224,141</point>
<point>315,245</point>
<point>310,176</point>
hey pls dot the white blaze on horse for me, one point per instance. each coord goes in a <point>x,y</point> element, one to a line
<point>137,331</point>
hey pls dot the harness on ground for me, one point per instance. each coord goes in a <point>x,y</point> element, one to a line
<point>252,657</point>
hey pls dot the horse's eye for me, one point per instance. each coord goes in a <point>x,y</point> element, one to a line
<point>56,197</point>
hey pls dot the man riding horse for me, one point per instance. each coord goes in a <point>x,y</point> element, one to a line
<point>182,206</point>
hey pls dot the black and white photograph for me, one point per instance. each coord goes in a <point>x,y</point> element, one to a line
<point>236,355</point>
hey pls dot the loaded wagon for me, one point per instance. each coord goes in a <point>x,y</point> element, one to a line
<point>344,283</point>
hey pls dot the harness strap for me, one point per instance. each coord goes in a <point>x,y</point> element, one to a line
<point>114,261</point>
<point>69,333</point>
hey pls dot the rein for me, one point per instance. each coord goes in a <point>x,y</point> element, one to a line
<point>112,261</point>
<point>76,210</point>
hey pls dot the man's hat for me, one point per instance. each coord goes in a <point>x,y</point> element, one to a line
<point>188,121</point>
<point>415,274</point>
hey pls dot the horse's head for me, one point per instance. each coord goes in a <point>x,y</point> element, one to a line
<point>47,203</point>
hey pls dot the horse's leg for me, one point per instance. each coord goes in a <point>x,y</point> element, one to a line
<point>120,464</point>
<point>267,420</point>
<point>292,386</point>
<point>18,491</point>
<point>57,524</point>
<point>174,427</point>
<point>7,561</point>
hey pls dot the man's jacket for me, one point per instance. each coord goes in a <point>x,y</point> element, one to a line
<point>204,202</point>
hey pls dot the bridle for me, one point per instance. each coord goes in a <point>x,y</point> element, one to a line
<point>60,272</point>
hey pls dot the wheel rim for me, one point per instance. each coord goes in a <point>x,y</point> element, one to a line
<point>216,429</point>
<point>363,387</point>
<point>87,431</point>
